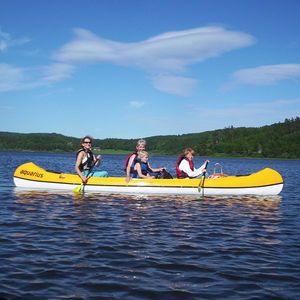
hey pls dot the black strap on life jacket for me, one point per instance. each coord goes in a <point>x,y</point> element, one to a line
<point>145,168</point>
<point>89,163</point>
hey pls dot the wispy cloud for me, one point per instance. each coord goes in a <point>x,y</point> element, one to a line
<point>164,56</point>
<point>264,75</point>
<point>7,41</point>
<point>14,78</point>
<point>3,41</point>
<point>250,111</point>
<point>6,108</point>
<point>242,115</point>
<point>136,104</point>
<point>177,85</point>
<point>10,77</point>
<point>201,119</point>
<point>58,72</point>
<point>169,53</point>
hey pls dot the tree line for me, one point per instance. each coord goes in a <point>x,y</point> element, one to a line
<point>279,140</point>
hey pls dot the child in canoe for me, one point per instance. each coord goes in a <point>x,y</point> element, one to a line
<point>185,166</point>
<point>142,168</point>
<point>132,158</point>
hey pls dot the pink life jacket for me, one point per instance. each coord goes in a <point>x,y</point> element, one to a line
<point>127,160</point>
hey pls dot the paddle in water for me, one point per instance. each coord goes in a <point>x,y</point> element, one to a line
<point>201,183</point>
<point>79,189</point>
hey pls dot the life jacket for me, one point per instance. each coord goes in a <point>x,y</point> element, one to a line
<point>145,169</point>
<point>181,174</point>
<point>88,163</point>
<point>127,160</point>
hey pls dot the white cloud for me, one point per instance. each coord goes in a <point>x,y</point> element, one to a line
<point>6,41</point>
<point>200,119</point>
<point>10,77</point>
<point>265,75</point>
<point>3,45</point>
<point>177,85</point>
<point>171,51</point>
<point>58,72</point>
<point>136,104</point>
<point>251,111</point>
<point>281,103</point>
<point>168,54</point>
<point>13,78</point>
<point>6,108</point>
<point>4,37</point>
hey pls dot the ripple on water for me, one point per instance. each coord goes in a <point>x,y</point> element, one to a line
<point>139,247</point>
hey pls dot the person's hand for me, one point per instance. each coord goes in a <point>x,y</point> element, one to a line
<point>127,179</point>
<point>97,161</point>
<point>84,179</point>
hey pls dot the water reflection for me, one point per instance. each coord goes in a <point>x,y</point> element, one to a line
<point>143,217</point>
<point>258,204</point>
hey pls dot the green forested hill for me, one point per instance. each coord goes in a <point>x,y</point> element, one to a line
<point>280,140</point>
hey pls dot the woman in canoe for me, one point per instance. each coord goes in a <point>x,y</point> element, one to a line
<point>142,168</point>
<point>131,159</point>
<point>185,166</point>
<point>86,160</point>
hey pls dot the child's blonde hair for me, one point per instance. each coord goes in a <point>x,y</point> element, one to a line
<point>143,154</point>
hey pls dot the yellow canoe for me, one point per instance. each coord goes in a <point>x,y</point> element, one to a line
<point>263,182</point>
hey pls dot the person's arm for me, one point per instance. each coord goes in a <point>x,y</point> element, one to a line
<point>130,161</point>
<point>185,167</point>
<point>139,171</point>
<point>77,164</point>
<point>97,160</point>
<point>202,168</point>
<point>156,170</point>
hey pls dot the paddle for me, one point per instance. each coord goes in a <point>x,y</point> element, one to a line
<point>80,189</point>
<point>201,183</point>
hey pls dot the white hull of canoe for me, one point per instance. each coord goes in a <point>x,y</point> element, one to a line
<point>153,190</point>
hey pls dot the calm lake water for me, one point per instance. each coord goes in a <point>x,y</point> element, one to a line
<point>62,246</point>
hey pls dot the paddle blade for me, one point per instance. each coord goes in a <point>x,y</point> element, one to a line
<point>201,183</point>
<point>78,189</point>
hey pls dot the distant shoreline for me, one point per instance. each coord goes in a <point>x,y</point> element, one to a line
<point>123,152</point>
<point>276,141</point>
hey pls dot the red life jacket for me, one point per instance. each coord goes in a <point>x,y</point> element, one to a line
<point>127,160</point>
<point>180,174</point>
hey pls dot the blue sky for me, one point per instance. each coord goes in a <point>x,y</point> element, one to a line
<point>137,68</point>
